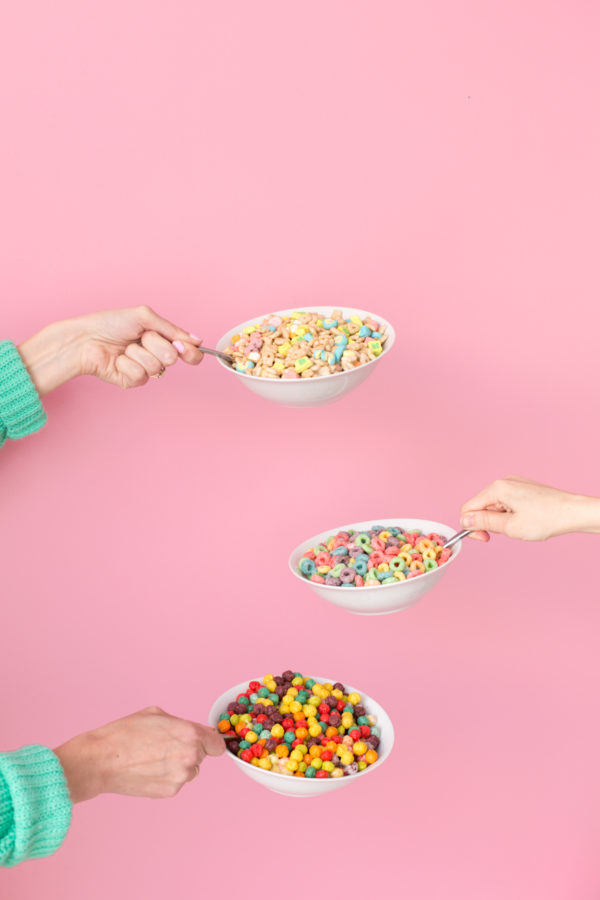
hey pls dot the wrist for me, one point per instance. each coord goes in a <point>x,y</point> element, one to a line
<point>52,356</point>
<point>81,761</point>
<point>587,514</point>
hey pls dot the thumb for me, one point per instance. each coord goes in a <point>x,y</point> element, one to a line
<point>151,321</point>
<point>485,520</point>
<point>212,741</point>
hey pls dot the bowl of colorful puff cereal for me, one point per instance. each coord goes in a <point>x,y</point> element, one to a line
<point>375,568</point>
<point>307,357</point>
<point>302,736</point>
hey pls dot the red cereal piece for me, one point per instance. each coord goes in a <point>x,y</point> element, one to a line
<point>326,755</point>
<point>310,554</point>
<point>359,581</point>
<point>377,557</point>
<point>323,708</point>
<point>254,686</point>
<point>318,579</point>
<point>377,544</point>
<point>322,774</point>
<point>246,755</point>
<point>365,730</point>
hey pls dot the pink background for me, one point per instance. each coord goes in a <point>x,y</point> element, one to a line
<point>437,163</point>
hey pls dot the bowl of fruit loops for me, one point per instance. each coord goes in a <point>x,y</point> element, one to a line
<point>302,736</point>
<point>375,569</point>
<point>307,357</point>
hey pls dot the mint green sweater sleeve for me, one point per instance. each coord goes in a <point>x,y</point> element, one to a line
<point>21,411</point>
<point>35,807</point>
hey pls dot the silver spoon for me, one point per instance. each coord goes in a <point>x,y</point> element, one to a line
<point>457,537</point>
<point>224,356</point>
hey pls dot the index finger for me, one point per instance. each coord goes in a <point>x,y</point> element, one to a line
<point>487,497</point>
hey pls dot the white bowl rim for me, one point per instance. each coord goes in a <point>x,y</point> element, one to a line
<point>293,381</point>
<point>349,689</point>
<point>408,581</point>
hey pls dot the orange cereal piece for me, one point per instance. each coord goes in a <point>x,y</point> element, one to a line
<point>315,750</point>
<point>371,756</point>
<point>331,731</point>
<point>282,750</point>
<point>224,725</point>
<point>301,733</point>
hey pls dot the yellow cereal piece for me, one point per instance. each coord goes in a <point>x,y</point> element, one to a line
<point>265,763</point>
<point>250,329</point>
<point>284,349</point>
<point>375,347</point>
<point>278,365</point>
<point>383,567</point>
<point>354,698</point>
<point>323,570</point>
<point>399,576</point>
<point>303,364</point>
<point>356,319</point>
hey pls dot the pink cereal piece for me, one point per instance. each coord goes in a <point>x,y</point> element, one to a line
<point>275,320</point>
<point>310,554</point>
<point>370,564</point>
<point>359,581</point>
<point>338,542</point>
<point>290,373</point>
<point>323,559</point>
<point>377,557</point>
<point>392,551</point>
<point>445,554</point>
<point>318,579</point>
<point>417,557</point>
<point>377,544</point>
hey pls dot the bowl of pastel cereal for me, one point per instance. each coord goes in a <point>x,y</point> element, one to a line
<point>307,357</point>
<point>374,568</point>
<point>302,736</point>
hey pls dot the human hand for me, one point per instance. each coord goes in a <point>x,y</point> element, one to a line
<point>124,347</point>
<point>527,510</point>
<point>146,754</point>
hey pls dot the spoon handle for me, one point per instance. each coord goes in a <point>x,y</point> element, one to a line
<point>224,356</point>
<point>457,537</point>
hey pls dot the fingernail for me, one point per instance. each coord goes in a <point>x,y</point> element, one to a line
<point>466,521</point>
<point>178,346</point>
<point>195,337</point>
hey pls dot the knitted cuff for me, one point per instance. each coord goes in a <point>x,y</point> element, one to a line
<point>21,411</point>
<point>35,807</point>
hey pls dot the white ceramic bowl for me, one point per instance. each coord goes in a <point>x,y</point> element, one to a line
<point>384,598</point>
<point>290,786</point>
<point>307,391</point>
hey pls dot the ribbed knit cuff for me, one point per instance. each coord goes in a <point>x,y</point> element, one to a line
<point>35,807</point>
<point>21,411</point>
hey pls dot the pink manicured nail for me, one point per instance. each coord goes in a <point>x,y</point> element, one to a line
<point>178,346</point>
<point>466,521</point>
<point>195,337</point>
